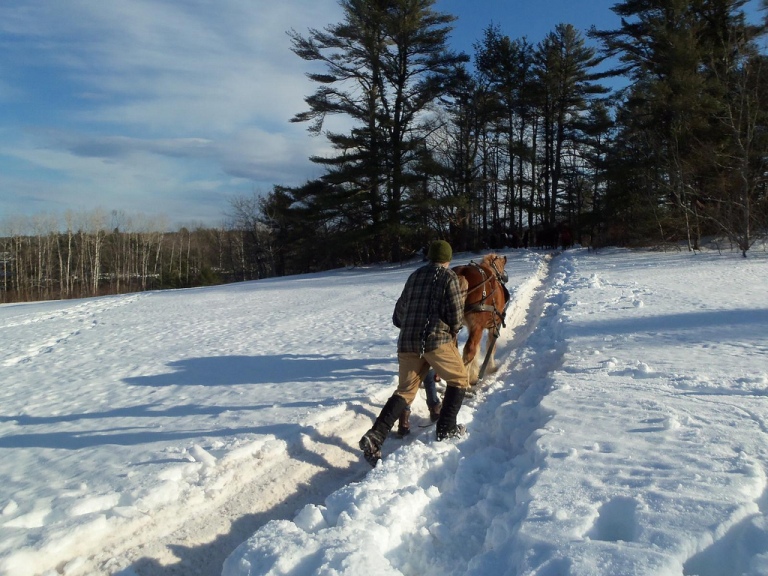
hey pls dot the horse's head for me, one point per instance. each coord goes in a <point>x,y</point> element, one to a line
<point>498,264</point>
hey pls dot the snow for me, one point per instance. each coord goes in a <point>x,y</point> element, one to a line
<point>214,430</point>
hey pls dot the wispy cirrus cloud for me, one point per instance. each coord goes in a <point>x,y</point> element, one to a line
<point>102,94</point>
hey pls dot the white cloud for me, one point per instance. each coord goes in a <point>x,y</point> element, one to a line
<point>147,100</point>
<point>182,178</point>
<point>193,66</point>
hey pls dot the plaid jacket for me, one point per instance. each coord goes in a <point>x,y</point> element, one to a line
<point>430,310</point>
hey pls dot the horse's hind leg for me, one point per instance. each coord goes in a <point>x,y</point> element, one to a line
<point>471,348</point>
<point>489,364</point>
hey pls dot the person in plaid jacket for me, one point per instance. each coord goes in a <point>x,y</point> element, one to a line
<point>429,313</point>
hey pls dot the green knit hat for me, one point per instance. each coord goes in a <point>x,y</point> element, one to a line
<point>440,251</point>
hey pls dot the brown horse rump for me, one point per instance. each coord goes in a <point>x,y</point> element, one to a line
<point>482,284</point>
<point>485,304</point>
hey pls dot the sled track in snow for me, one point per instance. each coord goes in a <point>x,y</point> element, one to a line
<point>270,486</point>
<point>276,486</point>
<point>528,306</point>
<point>68,322</point>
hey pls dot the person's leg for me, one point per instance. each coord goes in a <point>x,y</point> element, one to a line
<point>404,423</point>
<point>447,427</point>
<point>372,440</point>
<point>447,362</point>
<point>433,400</point>
<point>412,369</point>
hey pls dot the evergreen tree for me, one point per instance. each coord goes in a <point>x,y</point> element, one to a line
<point>508,67</point>
<point>459,153</point>
<point>597,138</point>
<point>563,63</point>
<point>385,64</point>
<point>682,57</point>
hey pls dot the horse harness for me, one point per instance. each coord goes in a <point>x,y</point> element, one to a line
<point>481,306</point>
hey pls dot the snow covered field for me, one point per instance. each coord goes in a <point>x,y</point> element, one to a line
<point>214,431</point>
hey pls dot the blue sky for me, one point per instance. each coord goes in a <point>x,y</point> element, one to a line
<point>171,107</point>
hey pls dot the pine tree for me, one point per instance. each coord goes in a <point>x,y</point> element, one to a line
<point>508,67</point>
<point>564,64</point>
<point>384,65</point>
<point>682,57</point>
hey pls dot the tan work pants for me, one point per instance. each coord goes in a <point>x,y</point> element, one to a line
<point>446,361</point>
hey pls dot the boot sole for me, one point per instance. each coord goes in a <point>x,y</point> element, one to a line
<point>371,452</point>
<point>457,432</point>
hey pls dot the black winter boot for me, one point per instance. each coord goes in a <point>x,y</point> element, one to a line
<point>446,423</point>
<point>372,440</point>
<point>434,412</point>
<point>404,424</point>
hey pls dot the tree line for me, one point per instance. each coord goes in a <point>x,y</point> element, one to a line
<point>100,253</point>
<point>655,133</point>
<point>530,138</point>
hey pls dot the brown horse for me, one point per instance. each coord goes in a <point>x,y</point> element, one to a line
<point>485,305</point>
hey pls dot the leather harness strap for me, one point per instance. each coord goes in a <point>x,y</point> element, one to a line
<point>499,317</point>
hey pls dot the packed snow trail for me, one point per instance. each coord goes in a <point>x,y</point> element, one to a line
<point>274,485</point>
<point>200,545</point>
<point>624,431</point>
<point>440,470</point>
<point>164,428</point>
<point>178,554</point>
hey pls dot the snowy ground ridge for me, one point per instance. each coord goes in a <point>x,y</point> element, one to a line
<point>622,430</point>
<point>263,479</point>
<point>517,416</point>
<point>523,381</point>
